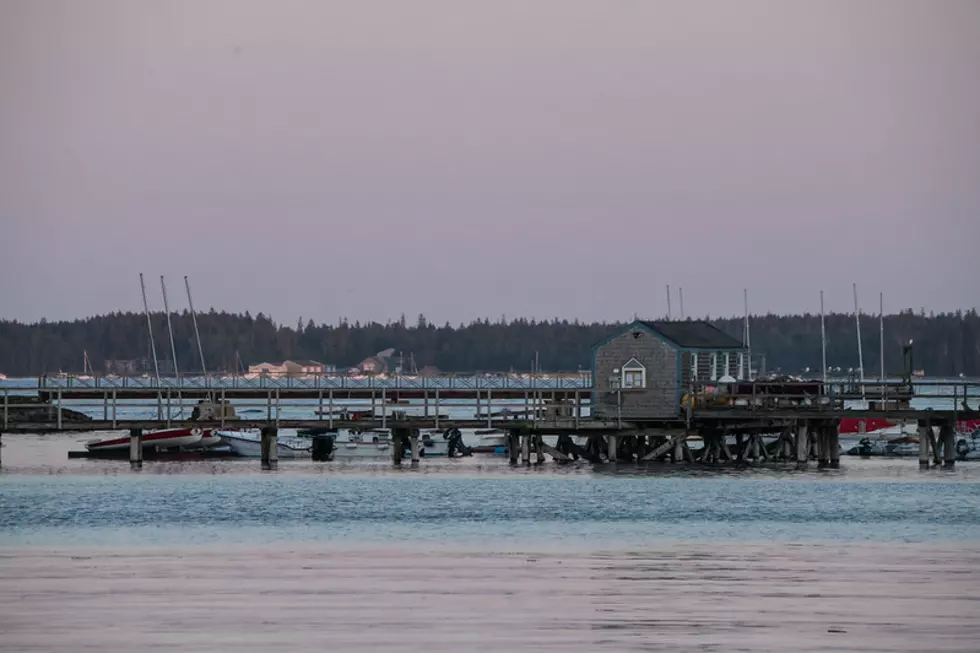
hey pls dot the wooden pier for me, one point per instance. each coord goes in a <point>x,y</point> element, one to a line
<point>800,419</point>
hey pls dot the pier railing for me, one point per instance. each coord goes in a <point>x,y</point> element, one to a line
<point>474,381</point>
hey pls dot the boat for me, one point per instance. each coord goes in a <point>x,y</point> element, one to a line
<point>248,444</point>
<point>374,443</point>
<point>166,439</point>
<point>968,446</point>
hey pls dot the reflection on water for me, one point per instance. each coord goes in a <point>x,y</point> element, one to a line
<point>786,598</point>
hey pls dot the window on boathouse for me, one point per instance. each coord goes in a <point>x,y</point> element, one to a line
<point>634,375</point>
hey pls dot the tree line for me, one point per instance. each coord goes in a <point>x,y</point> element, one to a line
<point>945,344</point>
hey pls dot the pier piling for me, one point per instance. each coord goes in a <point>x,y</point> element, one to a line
<point>833,443</point>
<point>612,454</point>
<point>136,449</point>
<point>802,444</point>
<point>948,435</point>
<point>270,450</point>
<point>513,445</point>
<point>414,440</point>
<point>924,429</point>
<point>526,449</point>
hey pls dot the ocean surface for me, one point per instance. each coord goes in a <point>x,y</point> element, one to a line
<point>473,555</point>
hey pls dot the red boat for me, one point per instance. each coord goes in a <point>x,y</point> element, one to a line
<point>164,439</point>
<point>853,425</point>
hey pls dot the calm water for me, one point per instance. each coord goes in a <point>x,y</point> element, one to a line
<point>218,556</point>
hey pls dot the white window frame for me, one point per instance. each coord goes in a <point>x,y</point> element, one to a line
<point>629,371</point>
<point>694,367</point>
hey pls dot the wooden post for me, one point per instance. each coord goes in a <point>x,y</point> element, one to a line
<point>425,400</point>
<point>59,409</point>
<point>578,409</point>
<point>489,410</point>
<point>513,445</point>
<point>270,450</point>
<point>611,453</point>
<point>923,443</point>
<point>678,451</point>
<point>136,449</point>
<point>397,447</point>
<point>437,407</point>
<point>539,448</point>
<point>802,444</point>
<point>6,407</point>
<point>948,434</point>
<point>526,448</point>
<point>478,402</point>
<point>384,408</point>
<point>833,433</point>
<point>822,457</point>
<point>330,408</point>
<point>414,437</point>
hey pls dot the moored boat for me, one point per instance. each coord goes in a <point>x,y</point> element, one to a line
<point>248,444</point>
<point>167,439</point>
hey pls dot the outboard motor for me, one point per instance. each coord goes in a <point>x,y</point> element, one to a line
<point>456,445</point>
<point>322,447</point>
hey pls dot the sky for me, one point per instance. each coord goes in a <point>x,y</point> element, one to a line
<point>465,159</point>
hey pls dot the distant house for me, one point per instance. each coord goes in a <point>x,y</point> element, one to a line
<point>267,369</point>
<point>642,371</point>
<point>373,365</point>
<point>306,368</point>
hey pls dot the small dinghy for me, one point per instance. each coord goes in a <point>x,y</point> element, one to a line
<point>248,444</point>
<point>166,439</point>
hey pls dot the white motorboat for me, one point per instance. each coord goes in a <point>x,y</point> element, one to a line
<point>367,444</point>
<point>248,443</point>
<point>166,439</point>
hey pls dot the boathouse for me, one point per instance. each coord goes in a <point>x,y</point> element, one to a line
<point>642,371</point>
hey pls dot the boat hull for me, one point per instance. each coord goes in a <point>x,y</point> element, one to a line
<point>247,447</point>
<point>167,439</point>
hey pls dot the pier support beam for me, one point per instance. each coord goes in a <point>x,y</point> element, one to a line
<point>823,446</point>
<point>948,435</point>
<point>612,453</point>
<point>802,444</point>
<point>513,445</point>
<point>678,450</point>
<point>833,444</point>
<point>136,449</point>
<point>526,449</point>
<point>924,433</point>
<point>269,447</point>
<point>414,440</point>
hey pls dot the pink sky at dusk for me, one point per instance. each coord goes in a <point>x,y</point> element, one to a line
<point>464,159</point>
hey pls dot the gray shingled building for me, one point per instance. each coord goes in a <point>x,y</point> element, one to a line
<point>641,372</point>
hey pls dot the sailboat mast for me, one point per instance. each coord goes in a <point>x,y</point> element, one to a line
<point>881,331</point>
<point>149,329</point>
<point>668,302</point>
<point>680,297</point>
<point>857,323</point>
<point>170,327</point>
<point>197,334</point>
<point>823,340</point>
<point>748,337</point>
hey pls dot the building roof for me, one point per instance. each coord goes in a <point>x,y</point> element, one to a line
<point>694,334</point>
<point>306,363</point>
